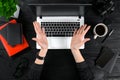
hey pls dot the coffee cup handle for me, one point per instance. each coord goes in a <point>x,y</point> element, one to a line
<point>95,36</point>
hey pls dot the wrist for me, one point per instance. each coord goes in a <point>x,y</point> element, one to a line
<point>40,57</point>
<point>74,50</point>
<point>43,52</point>
<point>77,55</point>
<point>37,61</point>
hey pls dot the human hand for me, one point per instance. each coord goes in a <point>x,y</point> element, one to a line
<point>41,36</point>
<point>78,37</point>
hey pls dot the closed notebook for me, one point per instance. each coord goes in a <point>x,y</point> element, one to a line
<point>14,34</point>
<point>11,50</point>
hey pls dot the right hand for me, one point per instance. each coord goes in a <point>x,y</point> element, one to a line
<point>78,37</point>
<point>77,41</point>
<point>41,36</point>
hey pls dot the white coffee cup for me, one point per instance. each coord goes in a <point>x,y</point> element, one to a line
<point>100,30</point>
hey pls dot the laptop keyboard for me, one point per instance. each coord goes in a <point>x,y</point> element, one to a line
<point>60,29</point>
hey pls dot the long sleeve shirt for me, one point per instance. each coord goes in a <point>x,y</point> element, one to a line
<point>83,72</point>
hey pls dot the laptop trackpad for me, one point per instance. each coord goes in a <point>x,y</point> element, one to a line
<point>58,43</point>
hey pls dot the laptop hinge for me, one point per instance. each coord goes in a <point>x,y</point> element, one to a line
<point>81,11</point>
<point>39,11</point>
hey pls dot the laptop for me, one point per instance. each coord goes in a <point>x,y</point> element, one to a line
<point>60,19</point>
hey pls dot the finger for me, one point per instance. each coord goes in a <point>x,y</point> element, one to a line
<point>84,27</point>
<point>80,30</point>
<point>86,30</point>
<point>37,30</point>
<point>34,27</point>
<point>38,41</point>
<point>43,29</point>
<point>35,39</point>
<point>86,40</point>
<point>75,32</point>
<point>38,27</point>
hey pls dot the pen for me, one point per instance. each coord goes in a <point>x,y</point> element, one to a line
<point>109,34</point>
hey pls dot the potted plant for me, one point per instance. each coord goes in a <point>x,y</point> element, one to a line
<point>9,8</point>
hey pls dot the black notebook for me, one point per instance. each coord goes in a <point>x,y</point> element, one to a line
<point>14,34</point>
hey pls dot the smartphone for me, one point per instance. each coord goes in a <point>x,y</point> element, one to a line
<point>105,56</point>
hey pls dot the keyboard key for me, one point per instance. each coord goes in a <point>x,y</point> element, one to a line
<point>60,29</point>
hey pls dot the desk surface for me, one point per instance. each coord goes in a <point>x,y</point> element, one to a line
<point>92,48</point>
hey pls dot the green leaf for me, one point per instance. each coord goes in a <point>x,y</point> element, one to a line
<point>0,4</point>
<point>1,12</point>
<point>8,7</point>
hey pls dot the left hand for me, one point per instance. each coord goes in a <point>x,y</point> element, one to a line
<point>41,40</point>
<point>78,37</point>
<point>41,36</point>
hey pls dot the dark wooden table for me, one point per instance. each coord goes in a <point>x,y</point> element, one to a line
<point>91,50</point>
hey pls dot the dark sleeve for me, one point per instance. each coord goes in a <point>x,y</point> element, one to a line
<point>85,73</point>
<point>34,73</point>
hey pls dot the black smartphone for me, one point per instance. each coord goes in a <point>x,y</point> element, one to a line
<point>105,56</point>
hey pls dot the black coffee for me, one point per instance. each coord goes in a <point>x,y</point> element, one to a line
<point>100,30</point>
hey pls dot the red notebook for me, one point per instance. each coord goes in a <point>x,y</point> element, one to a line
<point>12,50</point>
<point>12,21</point>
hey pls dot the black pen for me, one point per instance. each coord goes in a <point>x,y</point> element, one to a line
<point>109,34</point>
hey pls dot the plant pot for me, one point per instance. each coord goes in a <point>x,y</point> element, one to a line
<point>16,13</point>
